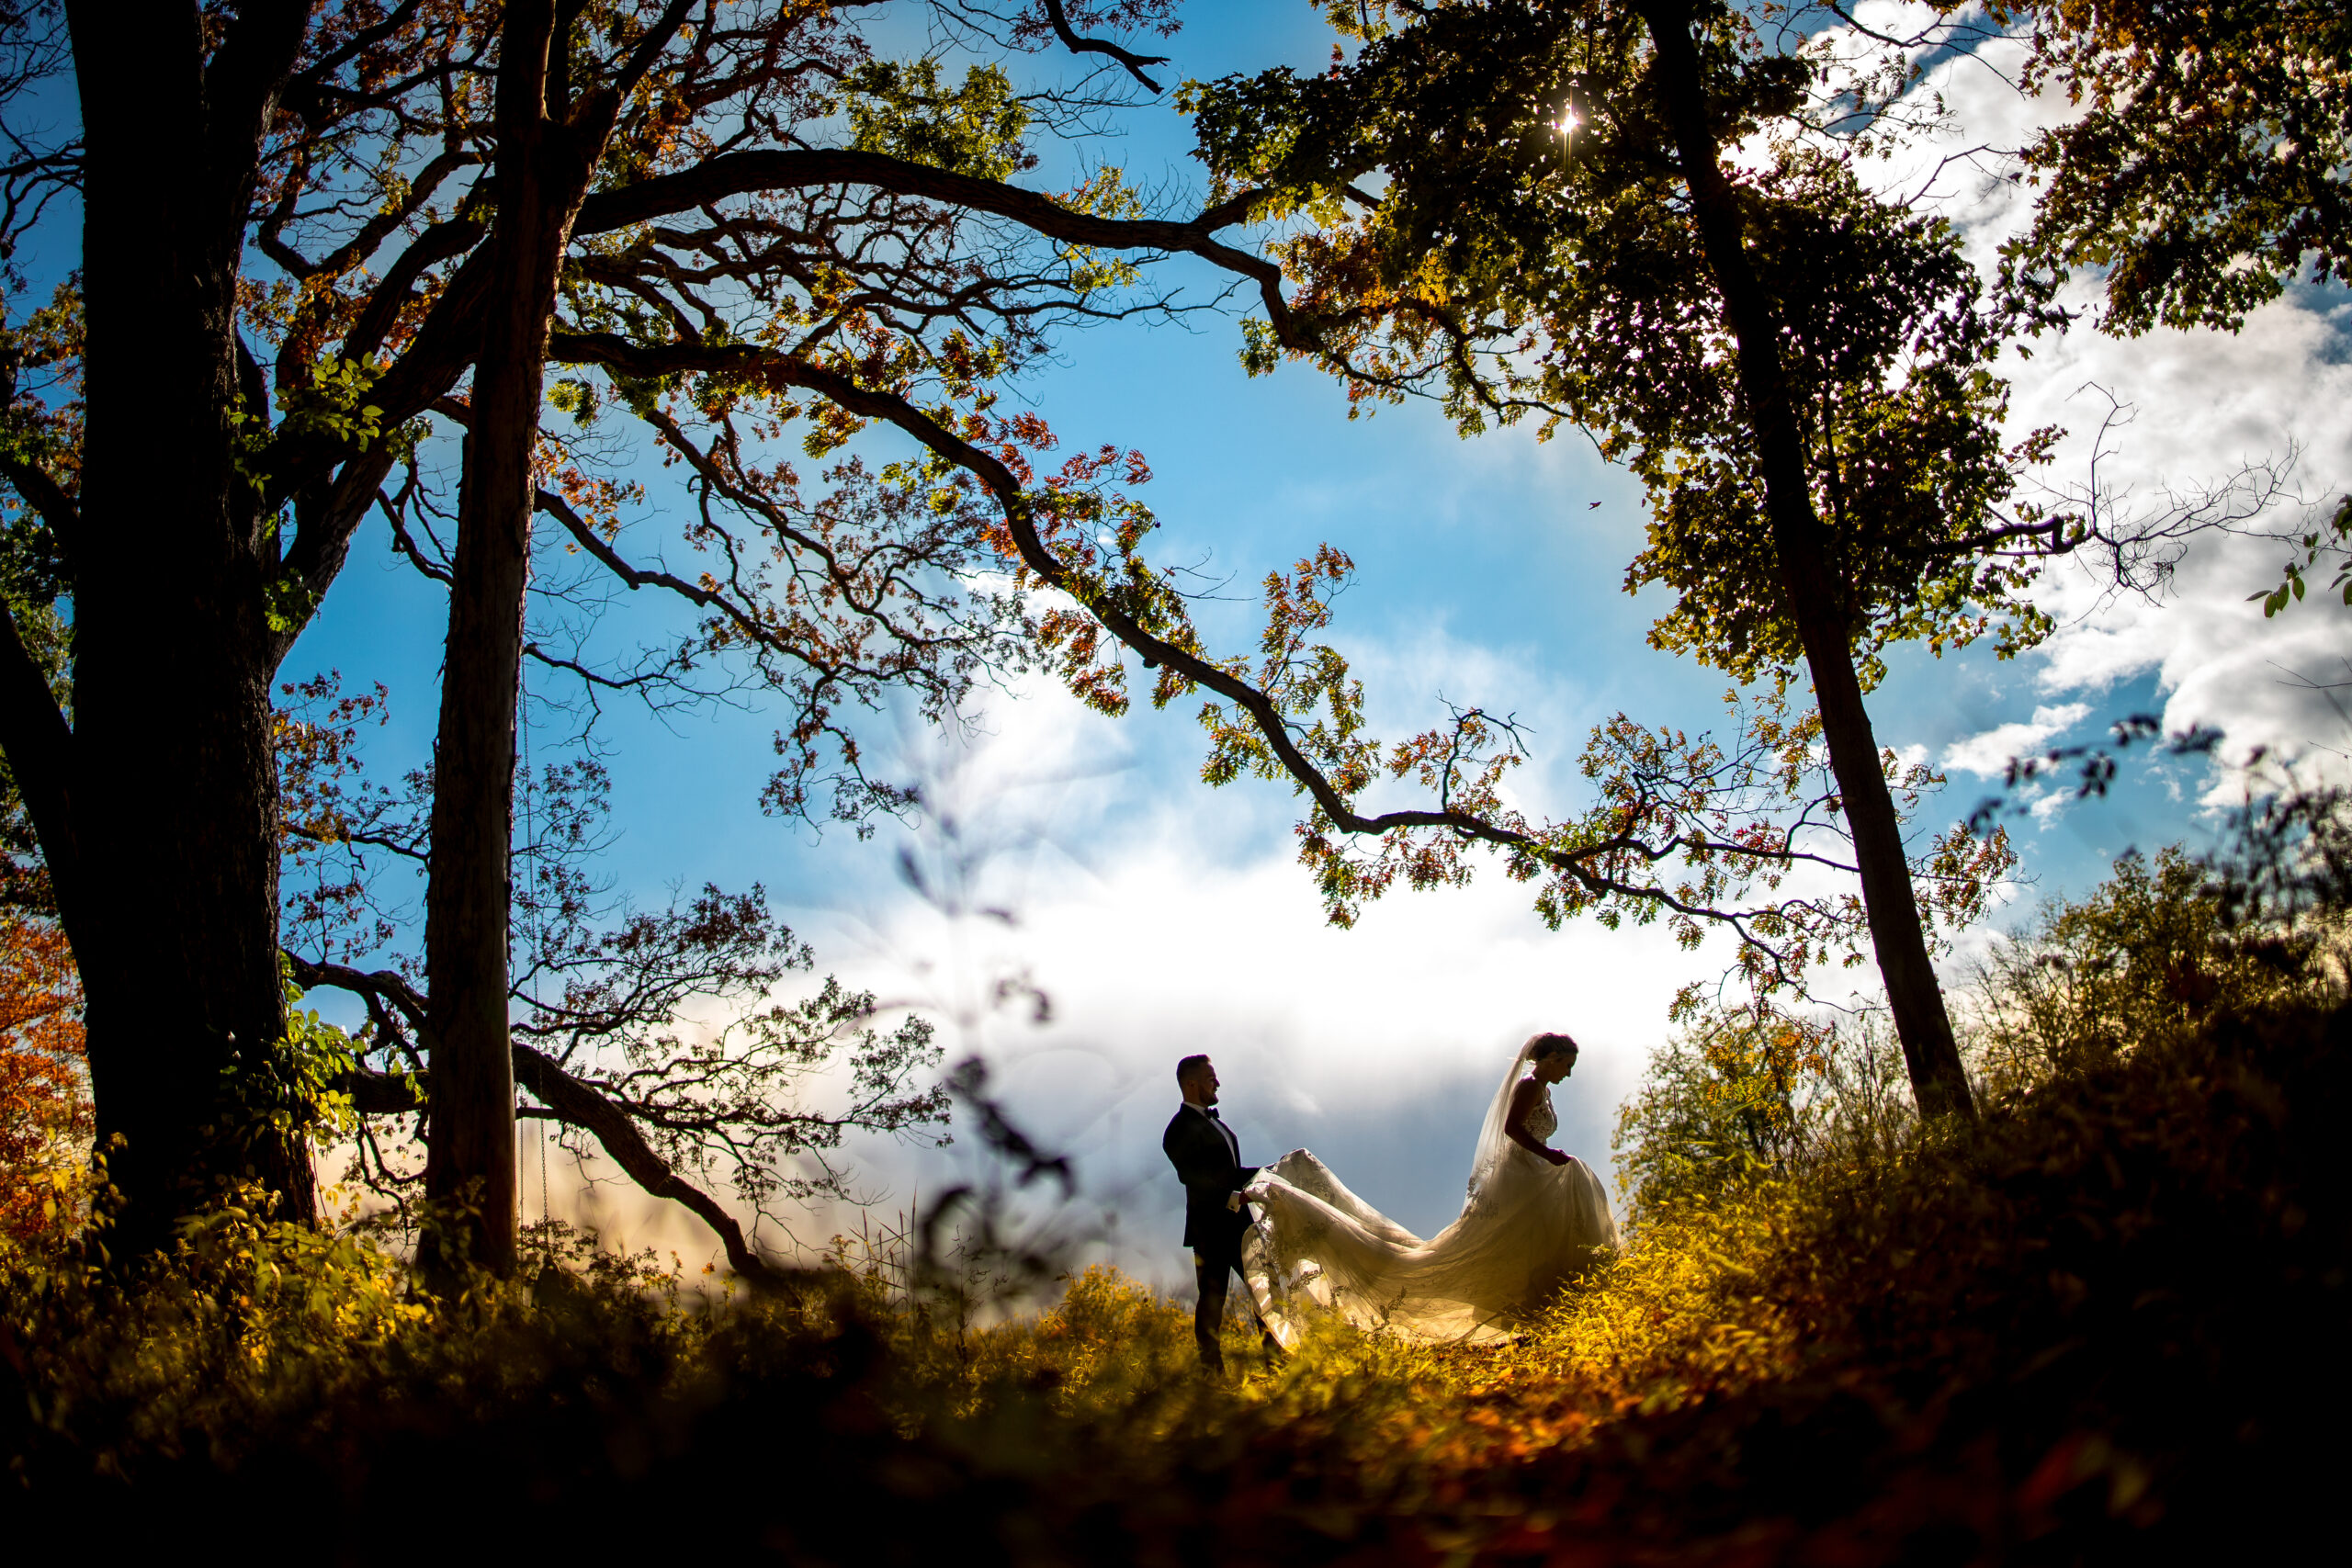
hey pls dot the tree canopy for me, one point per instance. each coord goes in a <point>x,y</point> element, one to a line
<point>561,238</point>
<point>320,244</point>
<point>1650,222</point>
<point>471,269</point>
<point>2203,170</point>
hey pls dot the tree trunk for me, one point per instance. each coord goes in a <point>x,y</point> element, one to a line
<point>1814,595</point>
<point>166,835</point>
<point>539,182</point>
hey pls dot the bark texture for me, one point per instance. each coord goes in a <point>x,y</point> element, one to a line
<point>469,1157</point>
<point>157,812</point>
<point>1815,593</point>
<point>548,147</point>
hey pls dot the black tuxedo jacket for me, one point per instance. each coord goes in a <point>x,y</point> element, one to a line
<point>1207,1161</point>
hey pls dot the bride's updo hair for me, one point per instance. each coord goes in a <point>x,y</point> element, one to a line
<point>1544,1047</point>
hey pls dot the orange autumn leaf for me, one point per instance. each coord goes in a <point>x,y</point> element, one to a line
<point>44,1103</point>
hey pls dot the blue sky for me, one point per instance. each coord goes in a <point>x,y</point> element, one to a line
<point>1163,917</point>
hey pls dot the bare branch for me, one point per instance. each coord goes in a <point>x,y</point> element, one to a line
<point>578,1105</point>
<point>1132,62</point>
<point>40,749</point>
<point>392,987</point>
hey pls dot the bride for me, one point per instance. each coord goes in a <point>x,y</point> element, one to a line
<point>1535,1217</point>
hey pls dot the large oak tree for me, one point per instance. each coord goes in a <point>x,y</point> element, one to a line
<point>1647,220</point>
<point>321,242</point>
<point>308,231</point>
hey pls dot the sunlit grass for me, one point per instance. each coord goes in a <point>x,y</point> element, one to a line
<point>1958,1321</point>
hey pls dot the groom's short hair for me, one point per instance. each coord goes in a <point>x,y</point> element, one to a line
<point>1187,1067</point>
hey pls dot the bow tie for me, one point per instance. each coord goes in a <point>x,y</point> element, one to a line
<point>1210,1111</point>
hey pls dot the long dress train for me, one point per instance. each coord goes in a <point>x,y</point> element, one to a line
<point>1528,1226</point>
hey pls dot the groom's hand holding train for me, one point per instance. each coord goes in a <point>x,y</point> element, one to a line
<point>1209,1161</point>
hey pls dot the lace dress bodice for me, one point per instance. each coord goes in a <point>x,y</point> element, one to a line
<point>1542,1120</point>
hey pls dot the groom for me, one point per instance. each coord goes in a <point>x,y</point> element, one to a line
<point>1209,1161</point>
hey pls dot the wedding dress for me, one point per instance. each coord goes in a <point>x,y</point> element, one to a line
<point>1528,1226</point>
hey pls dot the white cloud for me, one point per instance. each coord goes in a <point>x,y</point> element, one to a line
<point>2202,406</point>
<point>2049,803</point>
<point>1161,917</point>
<point>1166,920</point>
<point>1987,755</point>
<point>1377,1046</point>
<point>2207,404</point>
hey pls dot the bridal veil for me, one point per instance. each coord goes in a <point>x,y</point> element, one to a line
<point>1526,1227</point>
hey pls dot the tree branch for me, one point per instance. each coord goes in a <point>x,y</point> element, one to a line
<point>436,244</point>
<point>571,1102</point>
<point>577,1104</point>
<point>611,560</point>
<point>741,173</point>
<point>406,546</point>
<point>46,496</point>
<point>617,353</point>
<point>649,49</point>
<point>382,1094</point>
<point>446,341</point>
<point>41,491</point>
<point>40,753</point>
<point>373,841</point>
<point>384,984</point>
<point>322,537</point>
<point>252,66</point>
<point>1134,63</point>
<point>302,93</point>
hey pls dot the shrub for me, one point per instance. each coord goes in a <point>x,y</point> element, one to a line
<point>2150,957</point>
<point>1751,1095</point>
<point>45,1122</point>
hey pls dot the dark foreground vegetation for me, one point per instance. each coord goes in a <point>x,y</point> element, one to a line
<point>2105,1323</point>
<point>274,272</point>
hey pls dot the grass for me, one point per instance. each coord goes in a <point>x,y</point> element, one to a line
<point>2107,1324</point>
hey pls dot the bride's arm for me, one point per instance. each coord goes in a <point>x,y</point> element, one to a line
<point>1522,1101</point>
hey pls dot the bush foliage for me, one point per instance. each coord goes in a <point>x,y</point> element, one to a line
<point>2090,1327</point>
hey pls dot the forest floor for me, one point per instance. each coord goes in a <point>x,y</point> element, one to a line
<point>2107,1325</point>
